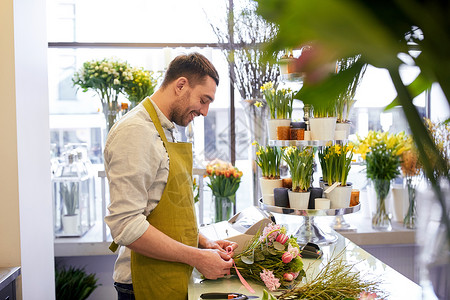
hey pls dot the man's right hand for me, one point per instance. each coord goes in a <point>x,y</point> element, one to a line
<point>213,263</point>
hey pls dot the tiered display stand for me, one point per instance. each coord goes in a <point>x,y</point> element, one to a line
<point>309,231</point>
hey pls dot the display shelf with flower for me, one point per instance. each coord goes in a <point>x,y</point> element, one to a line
<point>142,85</point>
<point>107,78</point>
<point>272,258</point>
<point>224,181</point>
<point>382,154</point>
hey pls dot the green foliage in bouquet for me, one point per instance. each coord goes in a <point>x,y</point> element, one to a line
<point>224,178</point>
<point>105,77</point>
<point>143,85</point>
<point>268,159</point>
<point>382,152</point>
<point>336,162</point>
<point>271,258</point>
<point>279,101</point>
<point>300,163</point>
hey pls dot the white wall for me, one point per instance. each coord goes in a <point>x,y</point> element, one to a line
<point>26,226</point>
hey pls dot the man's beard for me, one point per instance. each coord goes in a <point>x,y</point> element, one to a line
<point>180,112</point>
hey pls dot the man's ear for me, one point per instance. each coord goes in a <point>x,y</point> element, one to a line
<point>180,84</point>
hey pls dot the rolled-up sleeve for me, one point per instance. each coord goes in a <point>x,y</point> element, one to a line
<point>132,159</point>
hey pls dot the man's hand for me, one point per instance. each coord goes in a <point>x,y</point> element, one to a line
<point>222,245</point>
<point>213,263</point>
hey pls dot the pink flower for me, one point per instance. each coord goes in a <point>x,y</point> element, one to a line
<point>271,232</point>
<point>293,250</point>
<point>271,282</point>
<point>367,296</point>
<point>288,276</point>
<point>282,238</point>
<point>287,257</point>
<point>295,274</point>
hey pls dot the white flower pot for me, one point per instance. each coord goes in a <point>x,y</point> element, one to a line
<point>272,125</point>
<point>269,199</point>
<point>345,127</point>
<point>298,200</point>
<point>267,185</point>
<point>340,135</point>
<point>339,196</point>
<point>70,224</point>
<point>322,203</point>
<point>322,128</point>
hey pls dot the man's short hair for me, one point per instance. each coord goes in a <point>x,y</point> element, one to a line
<point>194,66</point>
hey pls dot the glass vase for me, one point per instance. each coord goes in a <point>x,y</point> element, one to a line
<point>433,238</point>
<point>110,110</point>
<point>223,207</point>
<point>410,219</point>
<point>381,219</point>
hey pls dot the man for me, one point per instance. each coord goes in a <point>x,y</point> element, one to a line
<point>151,215</point>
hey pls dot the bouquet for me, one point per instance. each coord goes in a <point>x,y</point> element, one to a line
<point>142,85</point>
<point>268,159</point>
<point>336,162</point>
<point>300,163</point>
<point>279,101</point>
<point>271,258</point>
<point>382,152</point>
<point>107,78</point>
<point>224,178</point>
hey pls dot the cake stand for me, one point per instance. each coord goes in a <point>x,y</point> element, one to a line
<point>310,231</point>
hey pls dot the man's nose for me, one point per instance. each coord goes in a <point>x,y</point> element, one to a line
<point>204,110</point>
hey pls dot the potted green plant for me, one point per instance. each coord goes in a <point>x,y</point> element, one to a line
<point>279,103</point>
<point>70,196</point>
<point>74,283</point>
<point>336,163</point>
<point>300,163</point>
<point>268,159</point>
<point>345,100</point>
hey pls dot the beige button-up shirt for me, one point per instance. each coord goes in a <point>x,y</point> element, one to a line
<point>137,167</point>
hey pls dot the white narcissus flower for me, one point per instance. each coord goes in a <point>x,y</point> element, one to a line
<point>116,81</point>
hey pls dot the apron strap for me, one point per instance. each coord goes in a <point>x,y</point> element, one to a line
<point>153,115</point>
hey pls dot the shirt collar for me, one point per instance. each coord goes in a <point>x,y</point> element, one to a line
<point>165,123</point>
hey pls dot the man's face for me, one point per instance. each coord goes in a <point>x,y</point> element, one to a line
<point>193,102</point>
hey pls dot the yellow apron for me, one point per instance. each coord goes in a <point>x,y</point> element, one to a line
<point>175,216</point>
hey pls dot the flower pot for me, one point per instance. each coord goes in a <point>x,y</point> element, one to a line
<point>281,197</point>
<point>340,135</point>
<point>322,203</point>
<point>345,127</point>
<point>267,185</point>
<point>70,224</point>
<point>322,128</point>
<point>269,199</point>
<point>339,196</point>
<point>273,124</point>
<point>299,200</point>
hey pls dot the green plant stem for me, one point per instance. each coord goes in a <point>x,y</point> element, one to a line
<point>422,139</point>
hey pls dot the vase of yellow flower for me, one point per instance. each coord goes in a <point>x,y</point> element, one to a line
<point>142,85</point>
<point>107,79</point>
<point>382,152</point>
<point>279,103</point>
<point>224,182</point>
